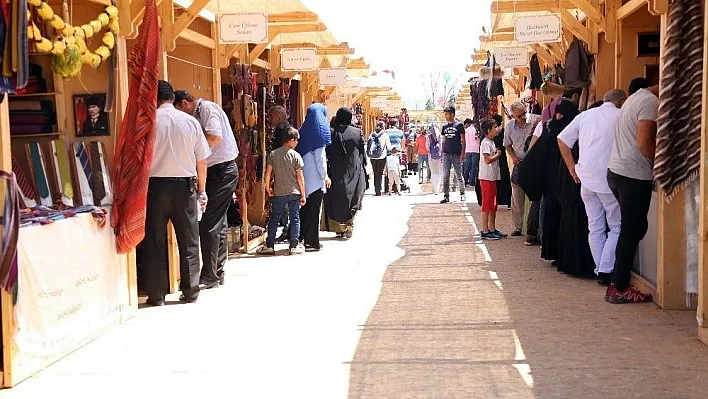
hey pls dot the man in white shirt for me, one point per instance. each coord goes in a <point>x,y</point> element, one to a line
<point>222,178</point>
<point>594,131</point>
<point>177,178</point>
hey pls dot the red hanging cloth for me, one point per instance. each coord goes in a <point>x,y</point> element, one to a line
<point>133,157</point>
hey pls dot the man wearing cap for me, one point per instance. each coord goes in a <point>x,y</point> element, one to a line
<point>177,175</point>
<point>453,138</point>
<point>222,177</point>
<point>96,123</point>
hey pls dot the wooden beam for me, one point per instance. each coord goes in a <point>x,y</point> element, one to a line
<point>137,9</point>
<point>198,38</point>
<point>557,52</point>
<point>523,71</point>
<point>473,68</point>
<point>629,8</point>
<point>611,7</point>
<point>498,37</point>
<point>291,17</point>
<point>167,19</point>
<point>575,27</point>
<point>261,63</point>
<point>658,7</point>
<point>702,314</point>
<point>125,20</point>
<point>228,51</point>
<point>543,54</point>
<point>189,15</point>
<point>591,11</point>
<point>514,6</point>
<point>480,57</point>
<point>216,71</point>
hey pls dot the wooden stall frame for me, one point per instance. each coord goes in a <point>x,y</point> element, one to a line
<point>702,312</point>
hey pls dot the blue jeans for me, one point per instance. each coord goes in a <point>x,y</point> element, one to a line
<point>422,164</point>
<point>470,169</point>
<point>279,205</point>
<point>452,161</point>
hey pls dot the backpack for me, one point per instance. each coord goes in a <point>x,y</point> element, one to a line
<point>435,150</point>
<point>375,148</point>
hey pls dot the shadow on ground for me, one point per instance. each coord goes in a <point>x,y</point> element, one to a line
<point>451,324</point>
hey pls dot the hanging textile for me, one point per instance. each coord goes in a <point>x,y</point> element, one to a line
<point>678,138</point>
<point>10,232</point>
<point>133,157</point>
<point>578,63</point>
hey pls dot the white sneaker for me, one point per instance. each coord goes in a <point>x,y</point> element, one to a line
<point>264,250</point>
<point>299,250</point>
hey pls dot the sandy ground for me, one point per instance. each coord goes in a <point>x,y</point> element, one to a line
<point>414,306</point>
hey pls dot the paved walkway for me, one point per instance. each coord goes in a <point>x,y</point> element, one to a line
<point>414,306</point>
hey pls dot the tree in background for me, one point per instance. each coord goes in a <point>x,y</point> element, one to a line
<point>439,88</point>
<point>429,106</point>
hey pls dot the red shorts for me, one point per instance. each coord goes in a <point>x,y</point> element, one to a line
<point>489,195</point>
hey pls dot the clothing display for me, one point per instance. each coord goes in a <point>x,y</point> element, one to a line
<point>41,214</point>
<point>678,137</point>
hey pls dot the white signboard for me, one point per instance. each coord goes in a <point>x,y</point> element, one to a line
<point>511,56</point>
<point>544,28</point>
<point>351,86</point>
<point>332,76</point>
<point>299,59</point>
<point>243,28</point>
<point>379,103</point>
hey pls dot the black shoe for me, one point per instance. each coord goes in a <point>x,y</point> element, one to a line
<point>516,233</point>
<point>500,234</point>
<point>222,280</point>
<point>190,298</point>
<point>532,241</point>
<point>285,237</point>
<point>604,279</point>
<point>209,285</point>
<point>313,248</point>
<point>155,302</point>
<point>445,200</point>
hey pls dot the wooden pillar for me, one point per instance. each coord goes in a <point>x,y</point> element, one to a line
<point>216,70</point>
<point>6,304</point>
<point>702,315</point>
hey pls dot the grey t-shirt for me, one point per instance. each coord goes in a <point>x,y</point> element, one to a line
<point>626,159</point>
<point>285,162</point>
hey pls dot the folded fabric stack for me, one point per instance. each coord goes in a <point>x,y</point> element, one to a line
<point>41,214</point>
<point>31,117</point>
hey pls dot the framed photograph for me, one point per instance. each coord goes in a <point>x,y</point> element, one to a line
<point>89,117</point>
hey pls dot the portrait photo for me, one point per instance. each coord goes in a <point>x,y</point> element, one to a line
<point>89,117</point>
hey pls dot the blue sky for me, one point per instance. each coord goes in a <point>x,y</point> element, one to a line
<point>411,38</point>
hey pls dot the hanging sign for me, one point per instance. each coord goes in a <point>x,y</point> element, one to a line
<point>351,86</point>
<point>511,56</point>
<point>243,28</point>
<point>544,28</point>
<point>299,59</point>
<point>332,76</point>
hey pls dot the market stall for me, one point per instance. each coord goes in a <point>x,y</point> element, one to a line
<point>57,134</point>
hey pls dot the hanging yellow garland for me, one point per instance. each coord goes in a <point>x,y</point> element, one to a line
<point>69,48</point>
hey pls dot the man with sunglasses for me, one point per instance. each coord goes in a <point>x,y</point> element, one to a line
<point>517,138</point>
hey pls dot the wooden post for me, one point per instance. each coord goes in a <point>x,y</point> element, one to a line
<point>702,314</point>
<point>6,306</point>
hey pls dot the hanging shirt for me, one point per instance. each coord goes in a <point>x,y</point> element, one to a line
<point>179,144</point>
<point>453,138</point>
<point>214,120</point>
<point>594,130</point>
<point>472,141</point>
<point>626,159</point>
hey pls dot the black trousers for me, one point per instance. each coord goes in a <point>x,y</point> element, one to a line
<point>221,182</point>
<point>533,221</point>
<point>310,219</point>
<point>378,166</point>
<point>634,197</point>
<point>171,199</point>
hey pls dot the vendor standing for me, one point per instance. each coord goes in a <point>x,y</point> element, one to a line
<point>221,181</point>
<point>177,174</point>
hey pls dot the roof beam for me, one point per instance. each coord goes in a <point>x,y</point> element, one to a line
<point>497,37</point>
<point>167,19</point>
<point>292,17</point>
<point>611,7</point>
<point>275,31</point>
<point>543,54</point>
<point>556,50</point>
<point>629,8</point>
<point>198,38</point>
<point>591,11</point>
<point>137,9</point>
<point>575,27</point>
<point>189,15</point>
<point>513,6</point>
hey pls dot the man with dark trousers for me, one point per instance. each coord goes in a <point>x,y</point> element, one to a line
<point>177,178</point>
<point>221,181</point>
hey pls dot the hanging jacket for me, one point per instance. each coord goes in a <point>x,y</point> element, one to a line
<point>536,79</point>
<point>578,63</point>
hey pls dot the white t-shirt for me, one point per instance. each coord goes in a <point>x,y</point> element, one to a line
<point>490,171</point>
<point>214,120</point>
<point>393,163</point>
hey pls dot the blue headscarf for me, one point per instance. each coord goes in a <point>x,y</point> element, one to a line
<point>314,132</point>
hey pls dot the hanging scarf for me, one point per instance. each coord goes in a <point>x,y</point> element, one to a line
<point>134,149</point>
<point>314,132</point>
<point>678,138</point>
<point>10,232</point>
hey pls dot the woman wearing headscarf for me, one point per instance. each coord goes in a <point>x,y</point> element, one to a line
<point>315,136</point>
<point>345,157</point>
<point>435,163</point>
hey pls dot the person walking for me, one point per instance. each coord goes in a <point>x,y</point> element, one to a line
<point>393,168</point>
<point>177,178</point>
<point>435,158</point>
<point>594,131</point>
<point>315,136</point>
<point>279,119</point>
<point>378,147</point>
<point>630,174</point>
<point>453,134</point>
<point>421,143</point>
<point>221,181</point>
<point>470,168</point>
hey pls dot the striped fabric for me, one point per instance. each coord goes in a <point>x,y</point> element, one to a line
<point>25,185</point>
<point>134,149</point>
<point>678,138</point>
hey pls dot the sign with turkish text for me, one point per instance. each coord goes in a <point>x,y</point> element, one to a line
<point>243,28</point>
<point>511,56</point>
<point>543,28</point>
<point>299,59</point>
<point>332,76</point>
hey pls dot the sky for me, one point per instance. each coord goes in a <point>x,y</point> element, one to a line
<point>411,38</point>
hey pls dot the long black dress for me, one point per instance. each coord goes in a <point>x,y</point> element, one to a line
<point>574,256</point>
<point>345,159</point>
